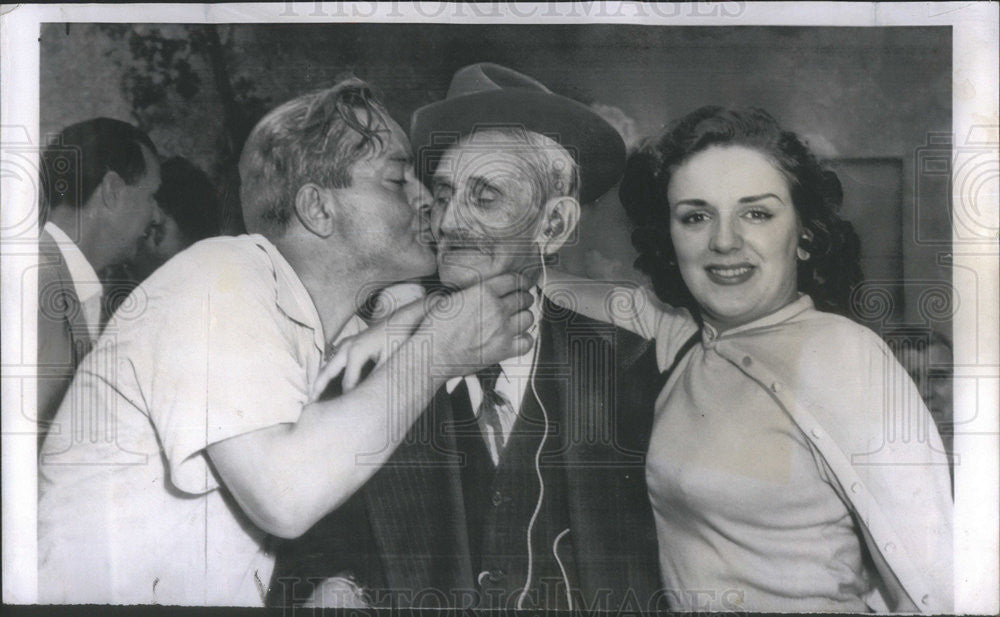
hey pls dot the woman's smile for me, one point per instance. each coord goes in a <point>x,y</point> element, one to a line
<point>735,274</point>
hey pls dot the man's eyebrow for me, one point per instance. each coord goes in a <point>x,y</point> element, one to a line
<point>478,183</point>
<point>400,156</point>
<point>753,198</point>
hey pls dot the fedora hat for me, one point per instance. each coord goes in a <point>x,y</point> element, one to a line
<point>487,95</point>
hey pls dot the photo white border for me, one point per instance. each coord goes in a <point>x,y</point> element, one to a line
<point>975,270</point>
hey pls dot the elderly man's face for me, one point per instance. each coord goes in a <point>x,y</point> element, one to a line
<point>486,211</point>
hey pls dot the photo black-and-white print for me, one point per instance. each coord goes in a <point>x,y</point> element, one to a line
<point>594,306</point>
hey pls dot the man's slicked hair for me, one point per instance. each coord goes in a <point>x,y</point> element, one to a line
<point>74,166</point>
<point>316,138</point>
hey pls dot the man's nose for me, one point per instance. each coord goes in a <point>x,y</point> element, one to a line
<point>726,236</point>
<point>444,218</point>
<point>417,195</point>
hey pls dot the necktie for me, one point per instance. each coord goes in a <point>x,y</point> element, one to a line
<point>488,414</point>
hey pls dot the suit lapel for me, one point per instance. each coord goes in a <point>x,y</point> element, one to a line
<point>57,294</point>
<point>552,382</point>
<point>416,508</point>
<point>613,538</point>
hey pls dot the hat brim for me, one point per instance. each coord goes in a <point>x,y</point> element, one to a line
<point>595,145</point>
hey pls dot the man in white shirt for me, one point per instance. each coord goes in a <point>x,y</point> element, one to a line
<point>522,484</point>
<point>99,181</point>
<point>202,430</point>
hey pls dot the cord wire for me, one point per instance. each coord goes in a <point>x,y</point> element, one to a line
<point>538,453</point>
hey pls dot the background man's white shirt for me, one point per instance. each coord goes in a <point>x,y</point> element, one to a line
<point>85,282</point>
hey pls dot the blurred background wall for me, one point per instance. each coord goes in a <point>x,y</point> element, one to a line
<point>875,102</point>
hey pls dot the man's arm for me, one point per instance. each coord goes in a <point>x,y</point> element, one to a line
<point>288,476</point>
<point>597,299</point>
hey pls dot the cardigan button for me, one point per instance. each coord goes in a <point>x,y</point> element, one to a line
<point>497,498</point>
<point>925,600</point>
<point>776,387</point>
<point>855,488</point>
<point>747,361</point>
<point>890,547</point>
<point>814,433</point>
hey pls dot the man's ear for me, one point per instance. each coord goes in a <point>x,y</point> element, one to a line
<point>560,215</point>
<point>111,188</point>
<point>315,208</point>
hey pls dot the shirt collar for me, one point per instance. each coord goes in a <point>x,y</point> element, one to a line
<point>803,303</point>
<point>290,294</point>
<point>85,281</point>
<point>525,359</point>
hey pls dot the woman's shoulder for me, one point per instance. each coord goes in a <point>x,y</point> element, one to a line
<point>836,335</point>
<point>823,355</point>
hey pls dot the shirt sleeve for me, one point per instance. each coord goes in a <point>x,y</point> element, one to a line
<point>906,475</point>
<point>865,415</point>
<point>630,307</point>
<point>218,363</point>
<point>671,327</point>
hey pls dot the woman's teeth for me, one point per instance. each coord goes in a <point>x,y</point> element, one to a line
<point>730,271</point>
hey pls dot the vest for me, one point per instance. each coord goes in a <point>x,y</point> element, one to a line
<point>499,503</point>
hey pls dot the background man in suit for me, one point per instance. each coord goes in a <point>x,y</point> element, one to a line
<point>99,181</point>
<point>522,485</point>
<point>189,211</point>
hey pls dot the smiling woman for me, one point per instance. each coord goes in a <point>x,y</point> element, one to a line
<point>828,266</point>
<point>735,234</point>
<point>756,464</point>
<point>769,488</point>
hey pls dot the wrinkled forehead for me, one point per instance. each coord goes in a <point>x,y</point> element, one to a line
<point>498,154</point>
<point>464,161</point>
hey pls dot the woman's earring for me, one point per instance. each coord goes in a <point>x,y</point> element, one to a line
<point>801,252</point>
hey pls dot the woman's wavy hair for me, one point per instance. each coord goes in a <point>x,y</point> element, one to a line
<point>833,267</point>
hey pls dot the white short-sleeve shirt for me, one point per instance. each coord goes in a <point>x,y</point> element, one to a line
<point>221,341</point>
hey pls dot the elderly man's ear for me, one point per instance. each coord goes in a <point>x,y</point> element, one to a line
<point>316,209</point>
<point>560,218</point>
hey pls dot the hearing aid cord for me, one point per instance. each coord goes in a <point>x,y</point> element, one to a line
<point>538,468</point>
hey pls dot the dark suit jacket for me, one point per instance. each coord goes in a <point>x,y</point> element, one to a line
<point>63,338</point>
<point>406,529</point>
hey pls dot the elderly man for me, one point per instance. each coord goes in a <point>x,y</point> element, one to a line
<point>99,180</point>
<point>196,429</point>
<point>522,486</point>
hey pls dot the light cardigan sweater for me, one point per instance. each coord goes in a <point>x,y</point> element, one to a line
<point>842,387</point>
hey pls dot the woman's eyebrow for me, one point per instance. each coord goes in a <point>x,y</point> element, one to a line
<point>697,203</point>
<point>753,198</point>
